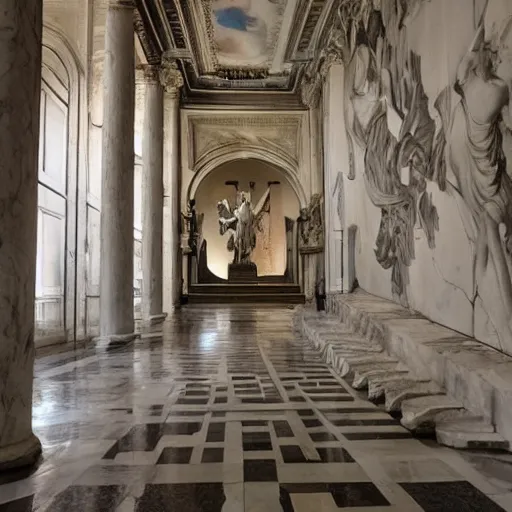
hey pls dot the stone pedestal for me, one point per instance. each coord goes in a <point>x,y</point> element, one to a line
<point>242,273</point>
<point>172,81</point>
<point>117,210</point>
<point>152,198</point>
<point>20,89</point>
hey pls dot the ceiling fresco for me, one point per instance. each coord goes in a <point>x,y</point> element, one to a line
<point>245,32</point>
<point>247,47</point>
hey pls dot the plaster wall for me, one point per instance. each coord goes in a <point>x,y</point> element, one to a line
<point>336,169</point>
<point>72,18</point>
<point>422,167</point>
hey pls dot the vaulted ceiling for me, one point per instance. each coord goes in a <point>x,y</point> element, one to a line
<point>241,52</point>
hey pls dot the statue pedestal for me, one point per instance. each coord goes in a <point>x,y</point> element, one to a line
<point>242,273</point>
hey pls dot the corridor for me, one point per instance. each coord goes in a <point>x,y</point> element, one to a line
<point>226,410</point>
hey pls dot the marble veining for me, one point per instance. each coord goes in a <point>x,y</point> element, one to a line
<point>226,410</point>
<point>20,89</point>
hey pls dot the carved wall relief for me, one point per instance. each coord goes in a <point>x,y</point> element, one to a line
<point>455,140</point>
<point>388,117</point>
<point>479,125</point>
<point>280,134</point>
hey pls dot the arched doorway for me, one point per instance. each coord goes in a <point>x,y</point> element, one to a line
<point>274,251</point>
<point>276,196</point>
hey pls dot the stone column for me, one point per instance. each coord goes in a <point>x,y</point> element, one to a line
<point>172,81</point>
<point>20,89</point>
<point>116,288</point>
<point>152,198</point>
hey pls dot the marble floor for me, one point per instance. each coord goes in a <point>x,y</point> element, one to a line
<point>226,409</point>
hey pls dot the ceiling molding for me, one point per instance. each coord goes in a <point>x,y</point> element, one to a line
<point>201,34</point>
<point>184,29</point>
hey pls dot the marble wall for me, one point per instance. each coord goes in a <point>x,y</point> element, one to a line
<point>427,183</point>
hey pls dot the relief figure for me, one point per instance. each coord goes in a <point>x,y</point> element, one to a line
<point>475,144</point>
<point>388,117</point>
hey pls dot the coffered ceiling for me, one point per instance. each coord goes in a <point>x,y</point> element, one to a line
<point>240,52</point>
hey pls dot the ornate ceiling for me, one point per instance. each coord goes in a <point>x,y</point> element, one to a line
<point>244,52</point>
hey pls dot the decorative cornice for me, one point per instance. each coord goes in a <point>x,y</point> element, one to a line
<point>315,10</point>
<point>199,26</point>
<point>175,23</point>
<point>170,76</point>
<point>278,135</point>
<point>148,44</point>
<point>333,46</point>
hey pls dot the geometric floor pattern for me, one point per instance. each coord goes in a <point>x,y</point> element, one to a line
<point>226,409</point>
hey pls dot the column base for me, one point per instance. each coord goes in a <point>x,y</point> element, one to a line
<point>157,319</point>
<point>24,453</point>
<point>113,341</point>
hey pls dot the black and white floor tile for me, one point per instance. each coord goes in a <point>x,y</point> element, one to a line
<point>226,410</point>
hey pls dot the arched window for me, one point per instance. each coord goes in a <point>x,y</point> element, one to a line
<point>59,264</point>
<point>53,193</point>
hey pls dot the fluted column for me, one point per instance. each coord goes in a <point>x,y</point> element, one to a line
<point>152,197</point>
<point>20,89</point>
<point>172,81</point>
<point>117,210</point>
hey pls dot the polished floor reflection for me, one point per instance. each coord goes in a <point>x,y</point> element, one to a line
<point>226,409</point>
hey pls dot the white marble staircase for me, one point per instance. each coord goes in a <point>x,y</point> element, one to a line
<point>424,405</point>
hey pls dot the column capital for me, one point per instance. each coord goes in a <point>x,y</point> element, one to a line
<point>121,4</point>
<point>170,76</point>
<point>148,74</point>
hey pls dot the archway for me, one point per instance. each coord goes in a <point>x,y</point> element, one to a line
<point>275,238</point>
<point>236,151</point>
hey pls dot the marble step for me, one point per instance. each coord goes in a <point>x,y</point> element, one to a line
<point>397,392</point>
<point>379,381</point>
<point>341,336</point>
<point>362,377</point>
<point>477,375</point>
<point>468,432</point>
<point>256,288</point>
<point>418,414</point>
<point>464,421</point>
<point>351,365</point>
<point>424,404</point>
<point>246,298</point>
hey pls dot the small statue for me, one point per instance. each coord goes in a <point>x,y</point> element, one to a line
<point>303,223</point>
<point>191,228</point>
<point>186,217</point>
<point>240,223</point>
<point>310,224</point>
